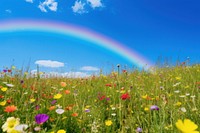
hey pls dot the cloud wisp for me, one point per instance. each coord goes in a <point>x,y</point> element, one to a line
<point>48,4</point>
<point>52,74</point>
<point>49,63</point>
<point>8,11</point>
<point>89,68</point>
<point>29,1</point>
<point>95,3</point>
<point>79,7</point>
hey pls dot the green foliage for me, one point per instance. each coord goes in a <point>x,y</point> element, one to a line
<point>90,102</point>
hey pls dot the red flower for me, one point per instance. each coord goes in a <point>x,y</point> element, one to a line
<point>9,101</point>
<point>124,71</point>
<point>1,96</point>
<point>125,96</point>
<point>183,63</point>
<point>102,97</point>
<point>75,114</point>
<point>109,85</point>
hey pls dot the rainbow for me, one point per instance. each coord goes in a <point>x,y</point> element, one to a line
<point>77,32</point>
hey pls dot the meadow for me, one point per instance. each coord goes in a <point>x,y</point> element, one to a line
<point>166,100</point>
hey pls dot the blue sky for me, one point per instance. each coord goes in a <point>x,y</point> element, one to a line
<point>158,28</point>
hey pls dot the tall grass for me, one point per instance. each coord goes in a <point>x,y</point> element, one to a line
<point>90,102</point>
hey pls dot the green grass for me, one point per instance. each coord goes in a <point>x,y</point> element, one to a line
<point>102,96</point>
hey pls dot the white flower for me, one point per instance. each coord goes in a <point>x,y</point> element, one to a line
<point>58,106</point>
<point>182,96</point>
<point>113,114</point>
<point>187,94</point>
<point>176,84</point>
<point>60,111</point>
<point>183,109</point>
<point>10,85</point>
<point>177,91</point>
<point>21,128</point>
<point>113,108</point>
<point>37,128</point>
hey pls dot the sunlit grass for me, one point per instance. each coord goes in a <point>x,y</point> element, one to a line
<point>132,101</point>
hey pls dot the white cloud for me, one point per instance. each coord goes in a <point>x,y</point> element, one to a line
<point>75,75</point>
<point>30,1</point>
<point>49,63</point>
<point>8,11</point>
<point>79,7</point>
<point>89,68</point>
<point>66,75</point>
<point>95,3</point>
<point>50,4</point>
<point>33,71</point>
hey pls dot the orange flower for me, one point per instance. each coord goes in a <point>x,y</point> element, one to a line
<point>67,91</point>
<point>51,119</point>
<point>10,108</point>
<point>198,83</point>
<point>1,96</point>
<point>63,84</point>
<point>52,108</point>
<point>75,114</point>
<point>68,108</point>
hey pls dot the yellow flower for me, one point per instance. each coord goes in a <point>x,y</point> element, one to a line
<point>108,122</point>
<point>145,96</point>
<point>61,131</point>
<point>32,100</point>
<point>122,91</point>
<point>3,103</point>
<point>41,73</point>
<point>57,96</point>
<point>178,78</point>
<point>186,87</point>
<point>13,67</point>
<point>10,124</point>
<point>4,89</point>
<point>14,131</point>
<point>178,104</point>
<point>187,126</point>
<point>146,109</point>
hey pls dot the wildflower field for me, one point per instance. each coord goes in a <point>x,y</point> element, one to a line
<point>166,100</point>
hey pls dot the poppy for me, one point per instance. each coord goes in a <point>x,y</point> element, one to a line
<point>125,96</point>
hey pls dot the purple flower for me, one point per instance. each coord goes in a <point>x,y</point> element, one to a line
<point>4,70</point>
<point>154,107</point>
<point>41,118</point>
<point>87,110</point>
<point>22,81</point>
<point>139,130</point>
<point>53,102</point>
<point>107,98</point>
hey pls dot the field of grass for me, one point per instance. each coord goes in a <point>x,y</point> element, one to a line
<point>121,102</point>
